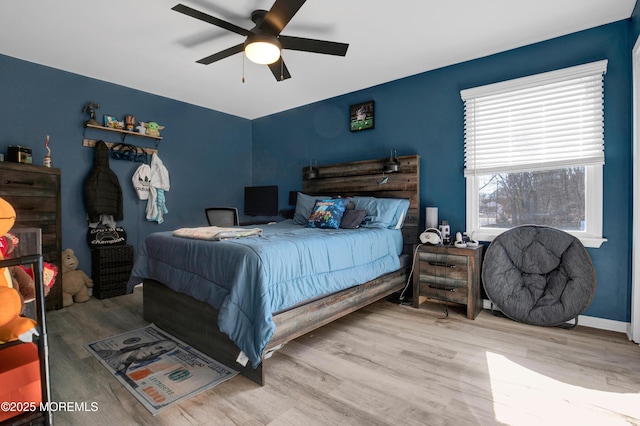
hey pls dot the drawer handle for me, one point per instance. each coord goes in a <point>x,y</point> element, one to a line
<point>446,265</point>
<point>17,182</point>
<point>442,288</point>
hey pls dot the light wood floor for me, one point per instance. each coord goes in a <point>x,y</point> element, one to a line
<point>383,365</point>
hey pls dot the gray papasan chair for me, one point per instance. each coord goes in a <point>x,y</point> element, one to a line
<point>538,275</point>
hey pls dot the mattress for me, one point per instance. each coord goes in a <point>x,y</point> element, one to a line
<point>248,279</point>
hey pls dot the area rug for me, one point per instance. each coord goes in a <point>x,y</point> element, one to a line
<point>158,369</point>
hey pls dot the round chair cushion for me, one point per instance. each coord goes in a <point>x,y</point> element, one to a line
<point>538,275</point>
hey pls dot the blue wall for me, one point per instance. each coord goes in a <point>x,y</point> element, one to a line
<point>209,154</point>
<point>423,114</point>
<point>635,23</point>
<point>198,147</point>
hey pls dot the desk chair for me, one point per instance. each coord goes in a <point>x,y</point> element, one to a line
<point>222,216</point>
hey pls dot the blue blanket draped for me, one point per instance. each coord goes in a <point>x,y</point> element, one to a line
<point>249,279</point>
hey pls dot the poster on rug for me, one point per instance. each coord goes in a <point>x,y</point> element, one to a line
<point>158,369</point>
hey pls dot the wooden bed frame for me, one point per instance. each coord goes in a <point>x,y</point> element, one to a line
<point>195,322</point>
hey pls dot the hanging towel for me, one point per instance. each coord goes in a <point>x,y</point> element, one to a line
<point>159,183</point>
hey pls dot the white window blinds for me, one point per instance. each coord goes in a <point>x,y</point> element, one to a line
<point>542,122</point>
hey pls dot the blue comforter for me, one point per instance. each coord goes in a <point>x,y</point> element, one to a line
<point>249,279</point>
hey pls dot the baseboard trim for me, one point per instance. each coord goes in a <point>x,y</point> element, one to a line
<point>587,321</point>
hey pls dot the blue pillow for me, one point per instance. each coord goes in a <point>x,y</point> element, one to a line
<point>401,214</point>
<point>327,214</point>
<point>304,207</point>
<point>382,212</point>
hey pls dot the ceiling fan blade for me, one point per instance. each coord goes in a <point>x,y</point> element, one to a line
<point>313,45</point>
<point>210,19</point>
<point>222,54</point>
<point>279,15</point>
<point>279,70</point>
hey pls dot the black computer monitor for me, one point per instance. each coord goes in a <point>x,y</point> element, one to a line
<point>261,200</point>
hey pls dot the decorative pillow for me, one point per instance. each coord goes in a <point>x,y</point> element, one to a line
<point>304,207</point>
<point>401,213</point>
<point>352,218</point>
<point>382,212</point>
<point>327,214</point>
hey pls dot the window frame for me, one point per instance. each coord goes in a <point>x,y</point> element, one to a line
<point>592,235</point>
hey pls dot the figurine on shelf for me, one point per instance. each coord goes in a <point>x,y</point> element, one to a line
<point>129,122</point>
<point>153,128</point>
<point>110,121</point>
<point>91,109</point>
<point>47,157</point>
<point>141,128</point>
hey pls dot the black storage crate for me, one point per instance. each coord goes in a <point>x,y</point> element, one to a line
<point>110,270</point>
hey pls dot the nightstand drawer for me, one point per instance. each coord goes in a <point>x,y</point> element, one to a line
<point>444,265</point>
<point>440,289</point>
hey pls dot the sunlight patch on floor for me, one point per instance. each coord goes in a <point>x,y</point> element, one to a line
<point>522,397</point>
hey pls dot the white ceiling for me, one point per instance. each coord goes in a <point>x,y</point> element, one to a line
<point>145,45</point>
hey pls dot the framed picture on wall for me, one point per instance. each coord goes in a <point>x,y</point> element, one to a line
<point>361,116</point>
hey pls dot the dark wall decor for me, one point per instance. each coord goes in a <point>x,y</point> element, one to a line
<point>361,116</point>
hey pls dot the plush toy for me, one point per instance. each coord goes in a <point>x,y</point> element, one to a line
<point>12,325</point>
<point>23,283</point>
<point>75,283</point>
<point>153,128</point>
<point>22,276</point>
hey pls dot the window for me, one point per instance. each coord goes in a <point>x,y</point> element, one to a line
<point>534,151</point>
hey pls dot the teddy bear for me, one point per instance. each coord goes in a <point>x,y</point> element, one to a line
<point>22,276</point>
<point>75,283</point>
<point>12,325</point>
<point>23,282</point>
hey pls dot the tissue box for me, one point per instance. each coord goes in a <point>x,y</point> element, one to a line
<point>20,377</point>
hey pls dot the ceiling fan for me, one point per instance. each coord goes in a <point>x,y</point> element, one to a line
<point>263,43</point>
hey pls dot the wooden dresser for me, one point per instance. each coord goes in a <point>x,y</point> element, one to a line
<point>34,193</point>
<point>448,274</point>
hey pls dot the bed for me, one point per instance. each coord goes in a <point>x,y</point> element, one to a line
<point>290,279</point>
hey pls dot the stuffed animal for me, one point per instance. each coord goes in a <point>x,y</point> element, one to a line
<point>23,283</point>
<point>12,325</point>
<point>22,277</point>
<point>153,128</point>
<point>75,283</point>
<point>8,243</point>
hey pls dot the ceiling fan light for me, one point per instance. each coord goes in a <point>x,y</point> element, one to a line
<point>262,49</point>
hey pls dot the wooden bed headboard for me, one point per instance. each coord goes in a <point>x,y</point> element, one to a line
<point>363,178</point>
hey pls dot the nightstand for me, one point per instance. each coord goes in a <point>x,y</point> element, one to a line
<point>448,274</point>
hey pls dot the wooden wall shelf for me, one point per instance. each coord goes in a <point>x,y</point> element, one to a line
<point>92,143</point>
<point>123,133</point>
